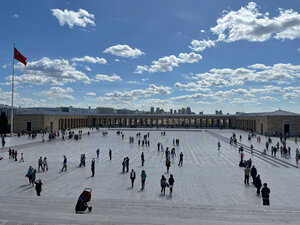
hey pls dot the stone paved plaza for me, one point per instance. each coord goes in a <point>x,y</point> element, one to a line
<point>208,188</point>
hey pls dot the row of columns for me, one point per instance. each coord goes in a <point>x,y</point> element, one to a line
<point>164,122</point>
<point>72,123</point>
<point>246,124</point>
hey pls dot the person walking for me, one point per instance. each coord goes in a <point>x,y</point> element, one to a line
<point>143,158</point>
<point>247,172</point>
<point>110,154</point>
<point>143,179</point>
<point>171,183</point>
<point>98,152</point>
<point>29,174</point>
<point>93,167</point>
<point>64,168</point>
<point>219,145</point>
<point>163,184</point>
<point>168,165</point>
<point>22,158</point>
<point>45,164</point>
<point>258,184</point>
<point>265,192</point>
<point>38,187</point>
<point>297,156</point>
<point>40,162</point>
<point>132,177</point>
<point>180,159</point>
<point>123,165</point>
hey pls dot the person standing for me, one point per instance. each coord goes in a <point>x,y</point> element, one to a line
<point>297,156</point>
<point>265,192</point>
<point>123,165</point>
<point>180,159</point>
<point>258,184</point>
<point>171,183</point>
<point>143,158</point>
<point>110,154</point>
<point>45,164</point>
<point>98,152</point>
<point>93,167</point>
<point>247,173</point>
<point>127,164</point>
<point>219,145</point>
<point>253,173</point>
<point>29,174</point>
<point>64,164</point>
<point>33,176</point>
<point>143,179</point>
<point>38,187</point>
<point>40,162</point>
<point>163,184</point>
<point>132,177</point>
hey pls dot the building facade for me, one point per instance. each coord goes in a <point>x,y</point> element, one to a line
<point>272,123</point>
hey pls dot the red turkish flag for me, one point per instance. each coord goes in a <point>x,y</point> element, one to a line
<point>20,57</point>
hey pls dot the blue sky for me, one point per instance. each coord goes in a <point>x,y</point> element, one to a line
<point>229,55</point>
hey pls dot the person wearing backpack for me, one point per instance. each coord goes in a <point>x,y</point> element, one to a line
<point>132,177</point>
<point>163,184</point>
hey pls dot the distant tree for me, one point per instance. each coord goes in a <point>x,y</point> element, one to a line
<point>3,123</point>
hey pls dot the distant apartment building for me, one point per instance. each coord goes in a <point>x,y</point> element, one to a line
<point>152,110</point>
<point>104,110</point>
<point>219,112</point>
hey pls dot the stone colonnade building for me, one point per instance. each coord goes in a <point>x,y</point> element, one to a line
<point>268,123</point>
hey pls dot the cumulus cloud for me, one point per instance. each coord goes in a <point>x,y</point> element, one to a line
<point>199,46</point>
<point>87,68</point>
<point>103,77</point>
<point>166,63</point>
<point>225,77</point>
<point>269,98</point>
<point>90,59</point>
<point>249,24</point>
<point>136,94</point>
<point>81,18</point>
<point>124,51</point>
<point>55,93</point>
<point>91,94</point>
<point>48,71</point>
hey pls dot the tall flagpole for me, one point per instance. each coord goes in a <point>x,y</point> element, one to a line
<point>12,95</point>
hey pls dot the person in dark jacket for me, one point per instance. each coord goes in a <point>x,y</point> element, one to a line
<point>132,177</point>
<point>143,158</point>
<point>171,183</point>
<point>163,184</point>
<point>258,184</point>
<point>93,167</point>
<point>38,187</point>
<point>265,192</point>
<point>180,159</point>
<point>253,173</point>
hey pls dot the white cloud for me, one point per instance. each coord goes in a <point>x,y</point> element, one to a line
<point>141,69</point>
<point>145,79</point>
<point>136,94</point>
<point>202,31</point>
<point>5,65</point>
<point>199,46</point>
<point>16,16</point>
<point>103,77</point>
<point>55,93</point>
<point>268,98</point>
<point>248,23</point>
<point>117,60</point>
<point>298,49</point>
<point>124,51</point>
<point>82,18</point>
<point>166,64</point>
<point>87,68</point>
<point>90,59</point>
<point>52,72</point>
<point>91,94</point>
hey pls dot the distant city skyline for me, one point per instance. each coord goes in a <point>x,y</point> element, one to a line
<point>232,56</point>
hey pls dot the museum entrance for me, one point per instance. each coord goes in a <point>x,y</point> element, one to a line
<point>28,126</point>
<point>286,129</point>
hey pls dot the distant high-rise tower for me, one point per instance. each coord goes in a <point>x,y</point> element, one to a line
<point>188,110</point>
<point>152,110</point>
<point>171,111</point>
